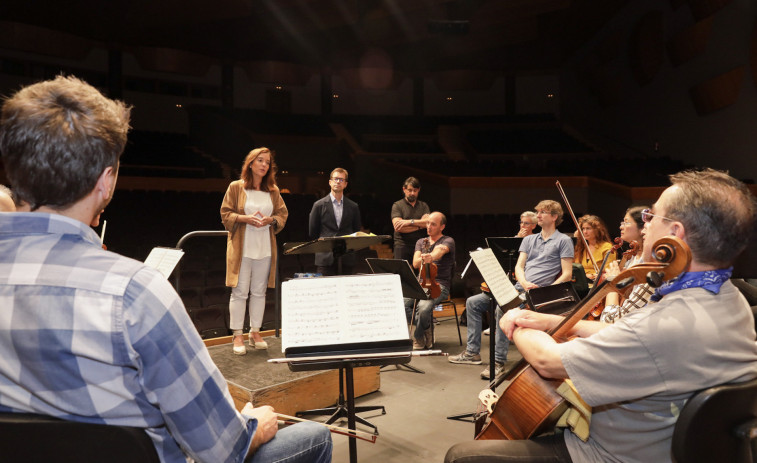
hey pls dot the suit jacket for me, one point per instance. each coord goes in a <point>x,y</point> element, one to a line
<point>323,224</point>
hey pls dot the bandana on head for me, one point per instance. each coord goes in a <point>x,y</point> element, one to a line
<point>711,280</point>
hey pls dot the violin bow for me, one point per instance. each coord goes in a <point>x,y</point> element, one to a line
<point>578,227</point>
<point>353,433</point>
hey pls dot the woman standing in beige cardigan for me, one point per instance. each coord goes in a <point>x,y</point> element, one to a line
<point>253,212</point>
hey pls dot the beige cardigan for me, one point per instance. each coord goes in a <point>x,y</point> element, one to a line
<point>233,206</point>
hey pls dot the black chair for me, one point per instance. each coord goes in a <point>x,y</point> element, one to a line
<point>718,424</point>
<point>554,299</point>
<point>29,438</point>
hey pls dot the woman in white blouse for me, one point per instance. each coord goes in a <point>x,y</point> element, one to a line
<point>252,212</point>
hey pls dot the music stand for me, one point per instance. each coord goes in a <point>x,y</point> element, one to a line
<point>329,303</point>
<point>505,248</point>
<point>500,286</point>
<point>410,286</point>
<point>338,245</point>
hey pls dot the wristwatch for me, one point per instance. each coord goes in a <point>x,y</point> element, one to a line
<point>412,222</point>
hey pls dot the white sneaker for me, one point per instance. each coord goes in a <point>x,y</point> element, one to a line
<point>486,332</point>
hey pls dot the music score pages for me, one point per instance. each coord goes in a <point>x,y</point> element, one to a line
<point>342,310</point>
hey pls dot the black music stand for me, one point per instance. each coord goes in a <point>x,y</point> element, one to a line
<point>505,248</point>
<point>371,357</point>
<point>359,346</point>
<point>338,245</point>
<point>515,302</point>
<point>410,287</point>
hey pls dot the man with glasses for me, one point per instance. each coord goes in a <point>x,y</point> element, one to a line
<point>544,258</point>
<point>637,374</point>
<point>528,223</point>
<point>334,215</point>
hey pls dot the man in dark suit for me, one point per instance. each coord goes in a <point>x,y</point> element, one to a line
<point>334,215</point>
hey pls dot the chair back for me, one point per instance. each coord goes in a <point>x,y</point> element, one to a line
<point>718,424</point>
<point>579,280</point>
<point>26,437</point>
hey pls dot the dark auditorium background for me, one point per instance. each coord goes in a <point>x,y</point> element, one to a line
<point>487,102</point>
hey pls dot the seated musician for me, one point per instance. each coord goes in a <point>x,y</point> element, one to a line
<point>631,229</point>
<point>527,224</point>
<point>639,372</point>
<point>598,238</point>
<point>544,258</point>
<point>88,335</point>
<point>440,250</point>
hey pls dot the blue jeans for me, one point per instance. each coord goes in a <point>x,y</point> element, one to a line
<point>475,308</point>
<point>424,312</point>
<point>301,442</point>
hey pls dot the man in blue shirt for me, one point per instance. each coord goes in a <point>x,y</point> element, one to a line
<point>544,258</point>
<point>88,335</point>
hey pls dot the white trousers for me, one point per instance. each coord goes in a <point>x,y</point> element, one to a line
<point>253,280</point>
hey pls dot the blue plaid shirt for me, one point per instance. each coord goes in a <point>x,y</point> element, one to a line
<point>88,335</point>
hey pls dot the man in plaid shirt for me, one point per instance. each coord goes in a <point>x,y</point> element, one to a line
<point>88,335</point>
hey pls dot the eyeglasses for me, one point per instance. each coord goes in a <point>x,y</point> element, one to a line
<point>625,224</point>
<point>646,216</point>
<point>339,180</point>
<point>527,223</point>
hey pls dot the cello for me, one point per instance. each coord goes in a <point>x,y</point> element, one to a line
<point>530,404</point>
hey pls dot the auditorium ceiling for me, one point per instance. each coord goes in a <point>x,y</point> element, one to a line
<point>408,35</point>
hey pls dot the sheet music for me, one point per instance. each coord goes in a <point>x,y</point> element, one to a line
<point>340,310</point>
<point>499,284</point>
<point>164,259</point>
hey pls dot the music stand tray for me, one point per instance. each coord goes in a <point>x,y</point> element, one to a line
<point>335,244</point>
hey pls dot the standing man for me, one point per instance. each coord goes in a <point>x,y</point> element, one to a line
<point>544,258</point>
<point>439,249</point>
<point>639,372</point>
<point>334,215</point>
<point>88,335</point>
<point>409,219</point>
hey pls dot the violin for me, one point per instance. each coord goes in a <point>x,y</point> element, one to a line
<point>530,404</point>
<point>428,274</point>
<point>632,251</point>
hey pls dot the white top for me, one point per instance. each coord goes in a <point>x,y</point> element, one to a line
<point>257,241</point>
